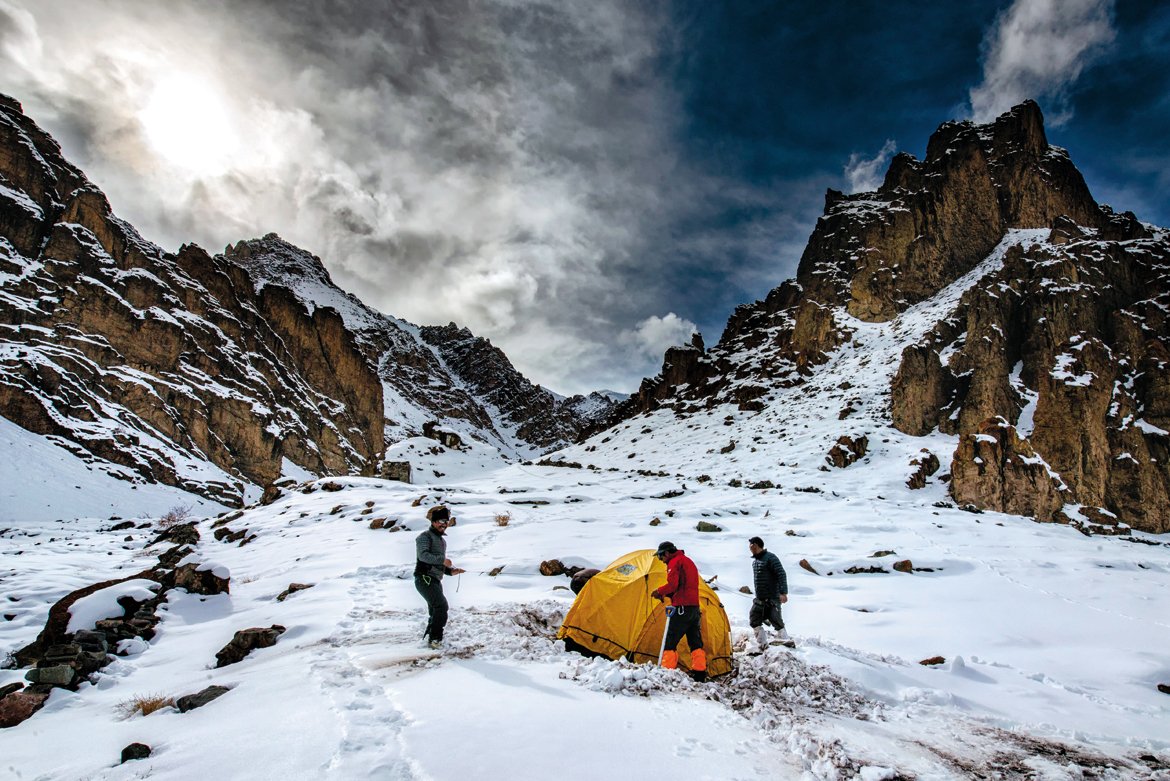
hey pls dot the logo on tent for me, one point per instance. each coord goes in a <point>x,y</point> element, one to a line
<point>626,569</point>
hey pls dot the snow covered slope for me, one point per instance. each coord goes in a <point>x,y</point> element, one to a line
<point>1052,640</point>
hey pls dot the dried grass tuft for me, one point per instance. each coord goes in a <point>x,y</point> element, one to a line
<point>502,519</point>
<point>145,704</point>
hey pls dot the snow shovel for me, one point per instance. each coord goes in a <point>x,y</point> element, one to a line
<point>666,629</point>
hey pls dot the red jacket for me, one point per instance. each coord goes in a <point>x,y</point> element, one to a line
<point>682,581</point>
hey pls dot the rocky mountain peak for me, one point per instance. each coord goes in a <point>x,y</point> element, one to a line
<point>1014,314</point>
<point>931,221</point>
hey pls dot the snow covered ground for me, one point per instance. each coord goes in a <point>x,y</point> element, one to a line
<point>1047,633</point>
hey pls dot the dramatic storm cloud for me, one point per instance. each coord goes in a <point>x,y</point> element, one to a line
<point>583,182</point>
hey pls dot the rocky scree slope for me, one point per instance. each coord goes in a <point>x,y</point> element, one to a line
<point>1050,367</point>
<point>206,372</point>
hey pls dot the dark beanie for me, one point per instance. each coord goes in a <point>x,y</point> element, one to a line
<point>438,513</point>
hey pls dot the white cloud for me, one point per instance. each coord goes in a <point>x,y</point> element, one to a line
<point>1038,48</point>
<point>867,173</point>
<point>653,335</point>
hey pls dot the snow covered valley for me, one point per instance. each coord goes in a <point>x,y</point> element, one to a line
<point>1054,641</point>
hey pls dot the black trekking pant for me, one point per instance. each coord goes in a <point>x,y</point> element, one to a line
<point>687,620</point>
<point>431,589</point>
<point>766,610</point>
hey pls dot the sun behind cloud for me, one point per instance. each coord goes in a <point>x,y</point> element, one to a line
<point>188,124</point>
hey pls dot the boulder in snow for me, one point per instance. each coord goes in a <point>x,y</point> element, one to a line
<point>245,640</point>
<point>192,701</point>
<point>552,567</point>
<point>135,751</point>
<point>17,707</point>
<point>292,589</point>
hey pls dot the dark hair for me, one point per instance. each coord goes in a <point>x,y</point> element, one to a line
<point>666,547</point>
<point>757,542</point>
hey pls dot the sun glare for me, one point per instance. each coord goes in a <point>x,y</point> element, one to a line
<point>188,125</point>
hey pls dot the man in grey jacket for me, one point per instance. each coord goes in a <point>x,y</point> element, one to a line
<point>771,591</point>
<point>430,567</point>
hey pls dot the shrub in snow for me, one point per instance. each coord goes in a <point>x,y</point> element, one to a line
<point>173,517</point>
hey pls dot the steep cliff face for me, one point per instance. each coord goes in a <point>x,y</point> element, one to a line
<point>1031,324</point>
<point>532,411</point>
<point>207,372</point>
<point>169,365</point>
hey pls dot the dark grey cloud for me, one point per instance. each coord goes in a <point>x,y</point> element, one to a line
<point>499,164</point>
<point>582,181</point>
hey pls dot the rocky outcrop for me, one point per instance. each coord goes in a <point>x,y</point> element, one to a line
<point>932,220</point>
<point>1054,359</point>
<point>535,413</point>
<point>995,469</point>
<point>848,450</point>
<point>920,390</point>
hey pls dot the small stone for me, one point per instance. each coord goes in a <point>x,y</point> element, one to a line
<point>292,589</point>
<point>192,701</point>
<point>805,565</point>
<point>366,511</point>
<point>135,751</point>
<point>933,661</point>
<point>745,589</point>
<point>337,509</point>
<point>10,688</point>
<point>882,553</point>
<point>496,571</point>
<point>331,486</point>
<point>377,523</point>
<point>655,522</point>
<point>703,526</point>
<point>903,566</point>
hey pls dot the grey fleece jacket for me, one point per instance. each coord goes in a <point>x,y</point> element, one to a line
<point>431,549</point>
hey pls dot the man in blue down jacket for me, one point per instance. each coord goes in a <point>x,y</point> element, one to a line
<point>771,591</point>
<point>430,566</point>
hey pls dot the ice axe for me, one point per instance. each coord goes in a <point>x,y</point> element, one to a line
<point>662,648</point>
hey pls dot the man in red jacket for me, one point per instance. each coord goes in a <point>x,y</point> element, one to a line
<point>682,586</point>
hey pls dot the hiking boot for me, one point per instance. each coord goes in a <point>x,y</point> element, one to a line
<point>699,676</point>
<point>435,645</point>
<point>784,634</point>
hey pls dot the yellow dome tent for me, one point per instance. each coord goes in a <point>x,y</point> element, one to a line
<point>615,616</point>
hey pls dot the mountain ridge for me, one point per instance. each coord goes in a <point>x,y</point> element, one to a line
<point>208,372</point>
